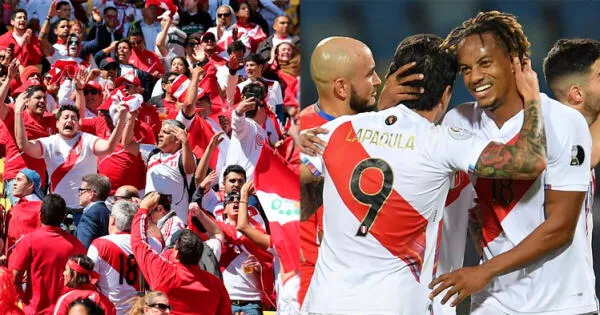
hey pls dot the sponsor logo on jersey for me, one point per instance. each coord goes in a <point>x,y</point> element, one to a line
<point>577,155</point>
<point>459,133</point>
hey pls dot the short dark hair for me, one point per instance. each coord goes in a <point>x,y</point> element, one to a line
<point>124,40</point>
<point>53,210</point>
<point>165,77</point>
<point>236,45</point>
<point>234,168</point>
<point>570,57</point>
<point>99,183</point>
<point>14,14</point>
<point>61,3</point>
<point>77,279</point>
<point>189,245</point>
<point>258,59</point>
<point>438,65</point>
<point>58,22</point>
<point>109,8</point>
<point>71,108</point>
<point>34,88</point>
<point>90,306</point>
<point>135,32</point>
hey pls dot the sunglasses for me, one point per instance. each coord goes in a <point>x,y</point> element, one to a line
<point>81,190</point>
<point>232,198</point>
<point>161,306</point>
<point>221,15</point>
<point>92,92</point>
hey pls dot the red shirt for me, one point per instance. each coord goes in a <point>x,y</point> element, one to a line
<point>86,291</point>
<point>119,165</point>
<point>146,61</point>
<point>28,54</point>
<point>190,289</point>
<point>23,217</point>
<point>34,128</point>
<point>310,117</point>
<point>43,254</point>
<point>149,115</point>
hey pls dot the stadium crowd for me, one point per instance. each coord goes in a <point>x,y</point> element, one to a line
<point>131,135</point>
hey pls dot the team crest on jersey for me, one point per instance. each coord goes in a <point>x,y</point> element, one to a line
<point>577,155</point>
<point>390,120</point>
<point>459,133</point>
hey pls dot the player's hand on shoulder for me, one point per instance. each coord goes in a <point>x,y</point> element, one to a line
<point>309,143</point>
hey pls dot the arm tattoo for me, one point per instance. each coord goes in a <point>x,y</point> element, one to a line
<point>311,198</point>
<point>522,160</point>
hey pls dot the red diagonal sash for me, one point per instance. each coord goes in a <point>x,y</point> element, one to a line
<point>62,170</point>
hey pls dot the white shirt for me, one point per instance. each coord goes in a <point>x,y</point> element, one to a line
<point>163,176</point>
<point>169,225</point>
<point>247,139</point>
<point>383,266</point>
<point>150,33</point>
<point>561,282</point>
<point>56,149</point>
<point>274,95</point>
<point>119,274</point>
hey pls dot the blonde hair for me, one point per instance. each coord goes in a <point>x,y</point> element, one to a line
<point>142,301</point>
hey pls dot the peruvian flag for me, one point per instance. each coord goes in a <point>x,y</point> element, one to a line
<point>278,189</point>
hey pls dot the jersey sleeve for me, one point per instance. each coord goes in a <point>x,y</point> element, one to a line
<point>569,162</point>
<point>46,145</point>
<point>93,254</point>
<point>459,148</point>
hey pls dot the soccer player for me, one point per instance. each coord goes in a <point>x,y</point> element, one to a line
<point>335,59</point>
<point>531,230</point>
<point>571,69</point>
<point>386,175</point>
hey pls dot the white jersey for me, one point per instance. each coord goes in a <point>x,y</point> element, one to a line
<point>386,178</point>
<point>56,152</point>
<point>247,139</point>
<point>453,240</point>
<point>163,176</point>
<point>120,277</point>
<point>169,225</point>
<point>559,283</point>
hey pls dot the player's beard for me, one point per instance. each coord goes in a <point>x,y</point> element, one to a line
<point>361,105</point>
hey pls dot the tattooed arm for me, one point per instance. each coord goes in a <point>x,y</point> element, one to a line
<point>526,159</point>
<point>311,192</point>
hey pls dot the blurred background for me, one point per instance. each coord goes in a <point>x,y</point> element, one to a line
<point>382,24</point>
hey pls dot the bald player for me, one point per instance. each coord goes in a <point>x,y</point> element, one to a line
<point>343,70</point>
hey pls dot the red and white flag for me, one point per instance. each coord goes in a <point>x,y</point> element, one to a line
<point>278,189</point>
<point>180,86</point>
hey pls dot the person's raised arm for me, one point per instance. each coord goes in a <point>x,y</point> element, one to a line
<point>127,140</point>
<point>13,71</point>
<point>102,147</point>
<point>205,159</point>
<point>189,165</point>
<point>161,38</point>
<point>31,148</point>
<point>261,239</point>
<point>239,125</point>
<point>526,159</point>
<point>47,48</point>
<point>191,95</point>
<point>209,225</point>
<point>79,81</point>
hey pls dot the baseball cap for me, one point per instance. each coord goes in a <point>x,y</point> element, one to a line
<point>33,177</point>
<point>108,63</point>
<point>208,35</point>
<point>124,80</point>
<point>93,85</point>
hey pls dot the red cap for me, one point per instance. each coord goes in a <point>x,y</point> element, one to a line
<point>124,80</point>
<point>93,85</point>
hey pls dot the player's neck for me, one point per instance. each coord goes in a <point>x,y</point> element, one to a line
<point>335,108</point>
<point>505,111</point>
